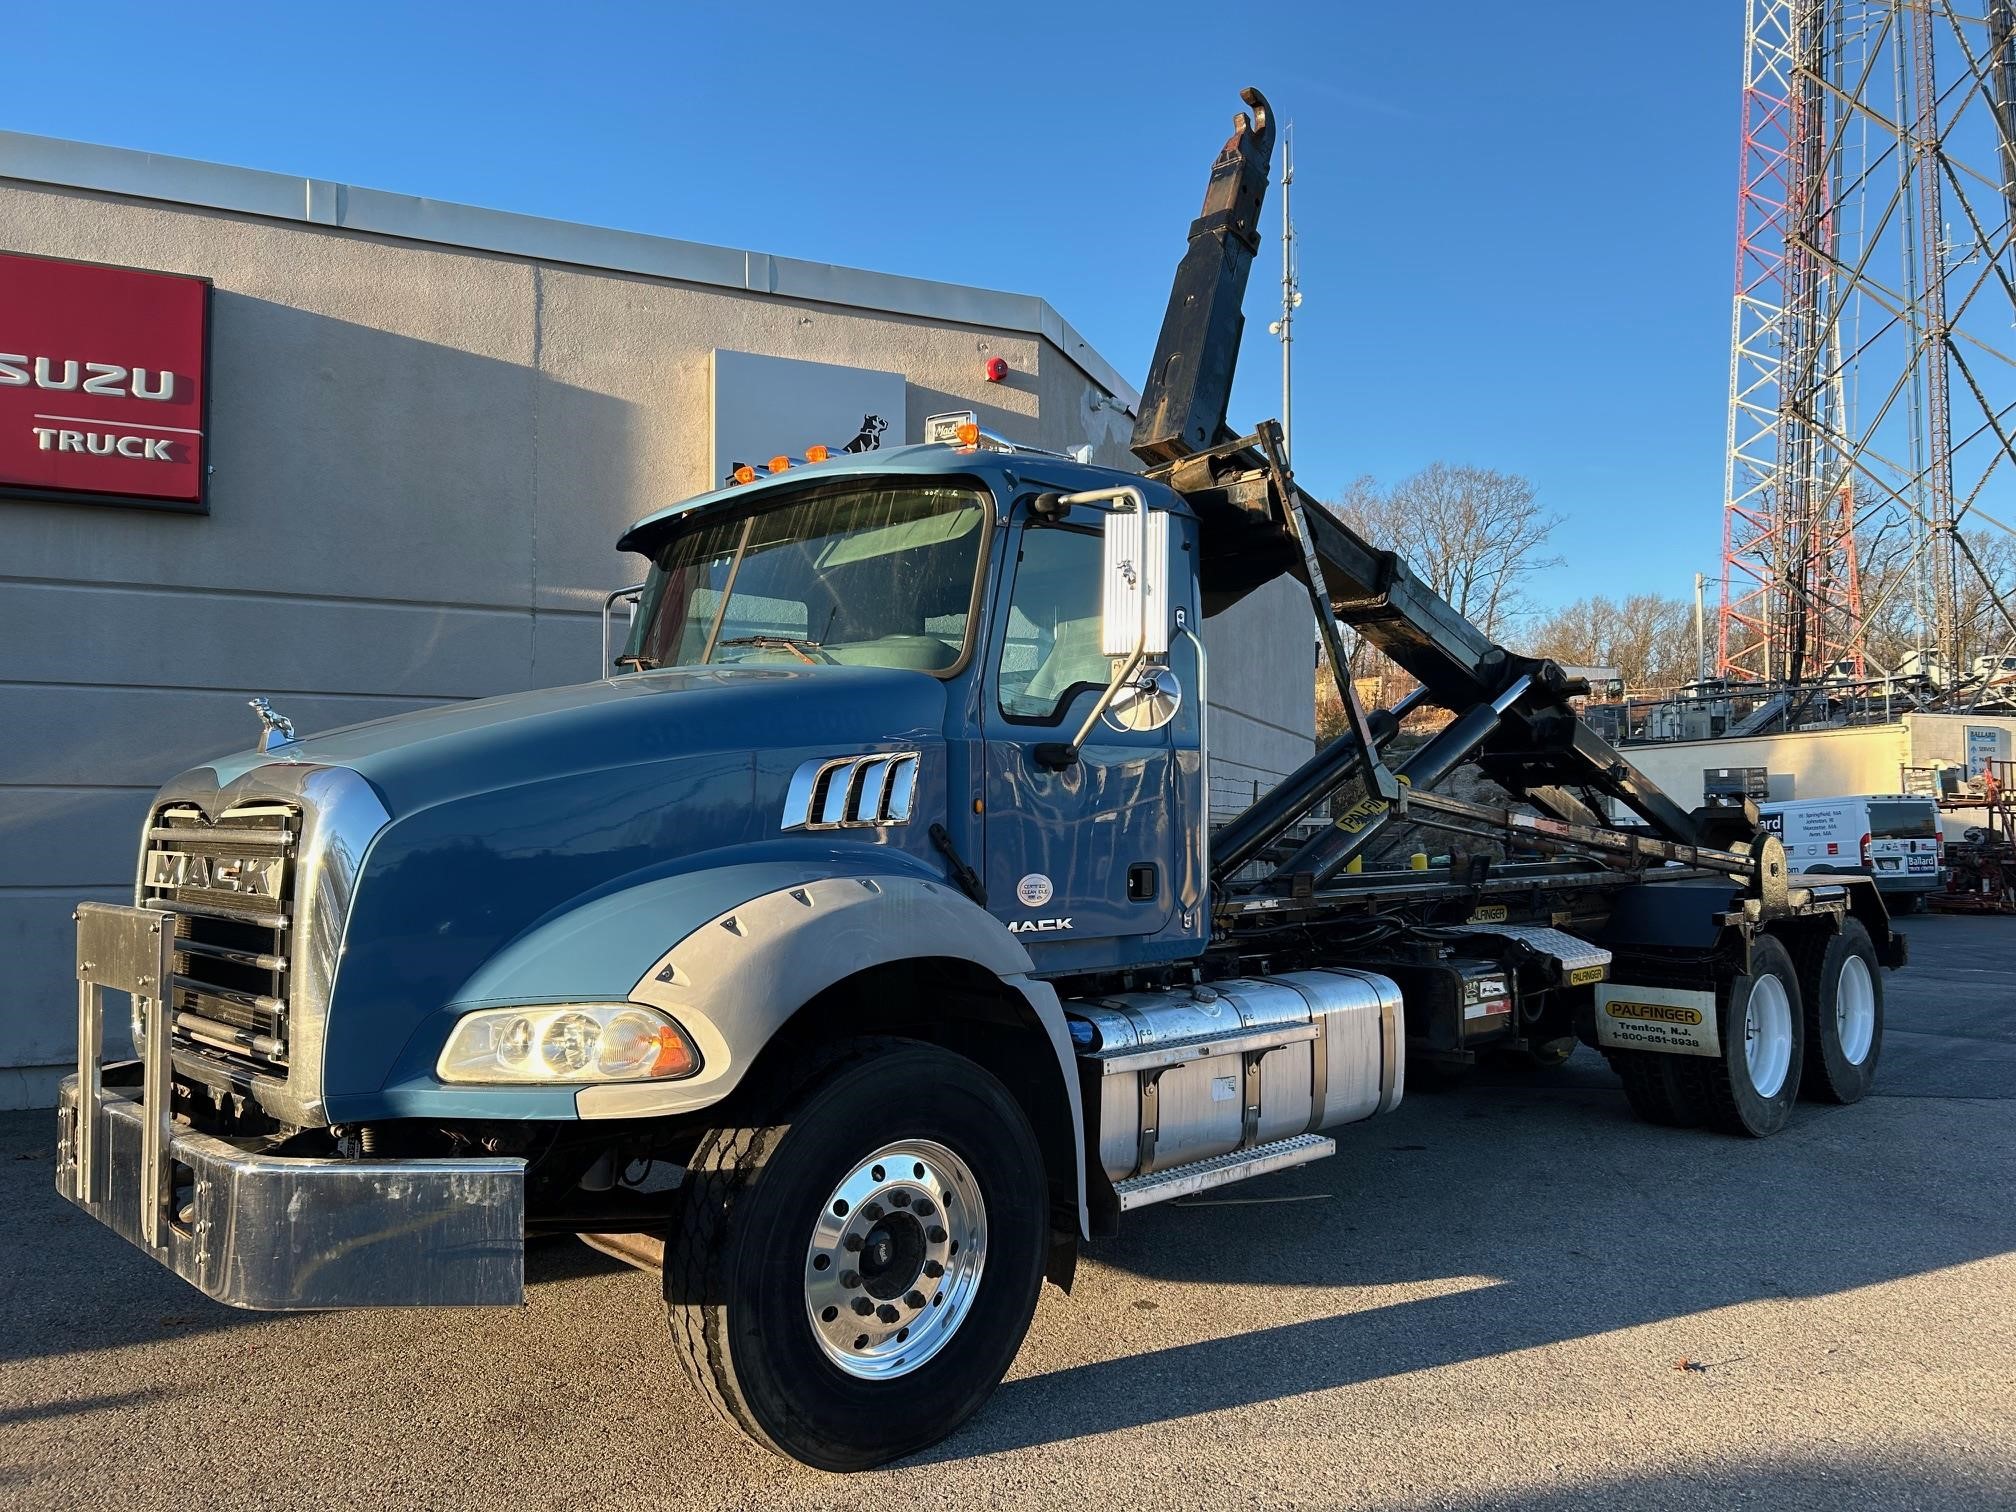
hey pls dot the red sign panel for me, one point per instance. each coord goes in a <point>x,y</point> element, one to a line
<point>102,374</point>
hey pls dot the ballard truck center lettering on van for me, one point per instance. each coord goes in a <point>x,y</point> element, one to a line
<point>102,378</point>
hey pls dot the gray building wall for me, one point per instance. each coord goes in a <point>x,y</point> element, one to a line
<point>427,426</point>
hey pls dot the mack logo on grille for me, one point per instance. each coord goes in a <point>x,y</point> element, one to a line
<point>255,876</point>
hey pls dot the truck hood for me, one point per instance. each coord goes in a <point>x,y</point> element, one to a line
<point>439,754</point>
<point>509,811</point>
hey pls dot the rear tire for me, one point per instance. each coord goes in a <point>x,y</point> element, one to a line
<point>1654,1092</point>
<point>1842,983</point>
<point>762,1323</point>
<point>1752,1088</point>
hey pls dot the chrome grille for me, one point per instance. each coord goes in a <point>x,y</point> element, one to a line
<point>231,886</point>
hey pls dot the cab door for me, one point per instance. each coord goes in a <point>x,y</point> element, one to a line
<point>1082,853</point>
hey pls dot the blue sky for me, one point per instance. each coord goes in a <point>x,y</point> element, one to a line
<point>1515,219</point>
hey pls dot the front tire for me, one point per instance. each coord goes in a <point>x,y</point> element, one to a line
<point>851,1281</point>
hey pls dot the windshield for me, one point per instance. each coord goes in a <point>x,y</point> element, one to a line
<point>881,576</point>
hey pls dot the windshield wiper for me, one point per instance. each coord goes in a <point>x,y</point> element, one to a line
<point>796,645</point>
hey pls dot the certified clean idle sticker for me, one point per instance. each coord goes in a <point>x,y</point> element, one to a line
<point>1669,1019</point>
<point>1034,890</point>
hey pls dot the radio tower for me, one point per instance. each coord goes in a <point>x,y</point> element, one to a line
<point>1872,372</point>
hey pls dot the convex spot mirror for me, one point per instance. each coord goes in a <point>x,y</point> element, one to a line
<point>1147,703</point>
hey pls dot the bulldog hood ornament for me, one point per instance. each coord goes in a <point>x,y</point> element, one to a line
<point>275,729</point>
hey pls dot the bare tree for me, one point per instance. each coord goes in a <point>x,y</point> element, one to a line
<point>1473,534</point>
<point>1894,619</point>
<point>1649,639</point>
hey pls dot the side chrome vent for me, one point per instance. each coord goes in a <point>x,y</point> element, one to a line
<point>852,792</point>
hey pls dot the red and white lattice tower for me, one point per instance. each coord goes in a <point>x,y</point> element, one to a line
<point>1875,297</point>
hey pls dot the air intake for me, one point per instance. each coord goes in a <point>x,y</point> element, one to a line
<point>852,792</point>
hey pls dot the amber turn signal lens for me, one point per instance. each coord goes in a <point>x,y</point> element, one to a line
<point>744,473</point>
<point>675,1057</point>
<point>816,454</point>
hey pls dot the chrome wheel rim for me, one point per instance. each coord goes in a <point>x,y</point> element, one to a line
<point>1855,1010</point>
<point>1767,1035</point>
<point>895,1259</point>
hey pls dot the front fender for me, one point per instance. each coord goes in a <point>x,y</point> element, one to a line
<point>734,974</point>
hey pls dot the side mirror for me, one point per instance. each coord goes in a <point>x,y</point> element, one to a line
<point>1134,584</point>
<point>1134,617</point>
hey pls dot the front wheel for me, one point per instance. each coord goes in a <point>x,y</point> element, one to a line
<point>852,1281</point>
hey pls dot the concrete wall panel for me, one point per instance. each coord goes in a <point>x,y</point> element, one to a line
<point>52,836</point>
<point>126,737</point>
<point>1803,764</point>
<point>90,634</point>
<point>37,941</point>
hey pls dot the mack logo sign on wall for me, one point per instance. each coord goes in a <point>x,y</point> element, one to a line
<point>102,375</point>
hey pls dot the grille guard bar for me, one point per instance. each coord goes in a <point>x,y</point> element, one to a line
<point>250,1228</point>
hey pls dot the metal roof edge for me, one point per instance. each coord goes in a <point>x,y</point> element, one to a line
<point>320,202</point>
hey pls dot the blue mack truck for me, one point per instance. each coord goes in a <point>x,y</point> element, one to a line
<point>860,945</point>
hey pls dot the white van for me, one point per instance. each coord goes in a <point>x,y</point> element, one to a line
<point>1893,837</point>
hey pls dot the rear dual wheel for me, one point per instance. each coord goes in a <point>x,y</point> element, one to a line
<point>1751,1086</point>
<point>1842,983</point>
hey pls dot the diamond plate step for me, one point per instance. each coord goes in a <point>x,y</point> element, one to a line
<point>1574,954</point>
<point>1219,1170</point>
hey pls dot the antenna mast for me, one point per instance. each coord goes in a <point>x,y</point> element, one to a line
<point>1291,294</point>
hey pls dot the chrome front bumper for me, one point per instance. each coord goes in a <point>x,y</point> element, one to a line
<point>252,1229</point>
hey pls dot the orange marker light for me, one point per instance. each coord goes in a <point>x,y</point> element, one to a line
<point>778,464</point>
<point>816,454</point>
<point>968,434</point>
<point>744,473</point>
<point>674,1058</point>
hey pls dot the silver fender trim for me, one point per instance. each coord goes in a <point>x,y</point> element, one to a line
<point>734,981</point>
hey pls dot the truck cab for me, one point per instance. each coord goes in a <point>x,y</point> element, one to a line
<point>946,571</point>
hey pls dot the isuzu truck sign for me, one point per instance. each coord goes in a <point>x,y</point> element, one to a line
<point>102,374</point>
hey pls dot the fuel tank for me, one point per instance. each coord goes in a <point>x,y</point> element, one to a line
<point>1188,1074</point>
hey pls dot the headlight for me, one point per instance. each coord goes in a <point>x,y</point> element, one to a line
<point>567,1042</point>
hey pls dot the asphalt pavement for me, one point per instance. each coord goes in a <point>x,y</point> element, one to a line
<point>1508,1296</point>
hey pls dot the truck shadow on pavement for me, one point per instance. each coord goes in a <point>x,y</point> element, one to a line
<point>1528,1218</point>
